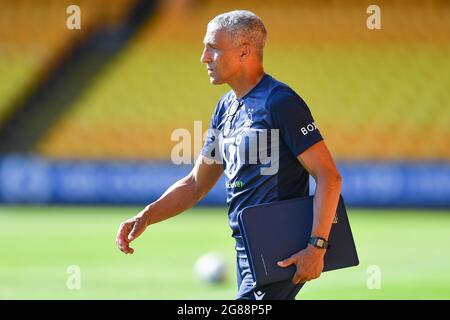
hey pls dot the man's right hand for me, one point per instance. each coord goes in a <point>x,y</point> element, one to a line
<point>181,196</point>
<point>131,229</point>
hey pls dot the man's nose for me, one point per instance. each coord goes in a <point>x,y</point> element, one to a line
<point>205,58</point>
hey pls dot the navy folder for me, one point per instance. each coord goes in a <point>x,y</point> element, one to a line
<point>274,231</point>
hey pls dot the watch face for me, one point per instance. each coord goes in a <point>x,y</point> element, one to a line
<point>320,242</point>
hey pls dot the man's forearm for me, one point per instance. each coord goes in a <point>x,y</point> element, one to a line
<point>181,196</point>
<point>326,198</point>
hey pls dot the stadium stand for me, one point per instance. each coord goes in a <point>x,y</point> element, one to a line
<point>376,94</point>
<point>379,97</point>
<point>34,36</point>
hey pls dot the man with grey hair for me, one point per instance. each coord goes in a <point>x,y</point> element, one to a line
<point>243,27</point>
<point>233,54</point>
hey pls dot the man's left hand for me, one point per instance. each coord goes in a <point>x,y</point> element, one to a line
<point>309,263</point>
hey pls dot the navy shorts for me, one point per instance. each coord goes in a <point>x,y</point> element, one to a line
<point>284,290</point>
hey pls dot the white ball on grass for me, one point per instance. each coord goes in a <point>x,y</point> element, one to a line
<point>211,268</point>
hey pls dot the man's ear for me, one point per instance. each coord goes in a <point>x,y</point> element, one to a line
<point>246,50</point>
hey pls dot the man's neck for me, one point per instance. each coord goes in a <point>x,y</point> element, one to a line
<point>246,83</point>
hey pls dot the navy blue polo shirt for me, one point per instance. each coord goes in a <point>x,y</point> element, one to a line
<point>257,138</point>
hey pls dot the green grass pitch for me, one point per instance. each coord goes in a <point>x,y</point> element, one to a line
<point>410,247</point>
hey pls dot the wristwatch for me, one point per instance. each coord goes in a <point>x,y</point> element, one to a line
<point>319,242</point>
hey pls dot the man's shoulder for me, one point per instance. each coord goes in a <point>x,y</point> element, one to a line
<point>279,87</point>
<point>281,94</point>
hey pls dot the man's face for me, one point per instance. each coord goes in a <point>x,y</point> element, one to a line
<point>221,56</point>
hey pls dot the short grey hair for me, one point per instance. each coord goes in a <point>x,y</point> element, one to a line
<point>243,25</point>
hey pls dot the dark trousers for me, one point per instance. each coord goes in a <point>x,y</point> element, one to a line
<point>284,290</point>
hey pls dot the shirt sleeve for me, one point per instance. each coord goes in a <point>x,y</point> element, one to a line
<point>292,117</point>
